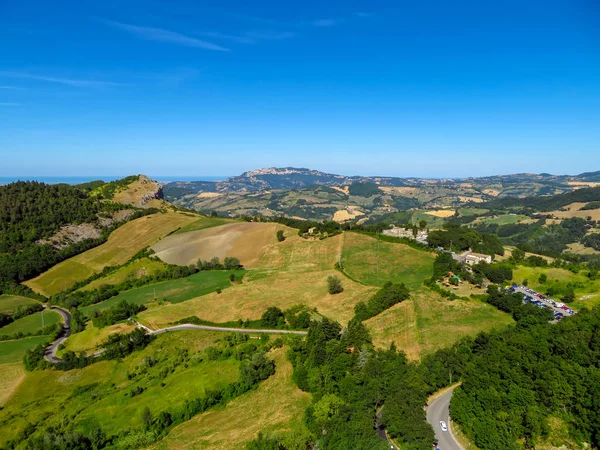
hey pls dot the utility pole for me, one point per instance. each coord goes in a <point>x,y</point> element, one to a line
<point>43,326</point>
<point>154,294</point>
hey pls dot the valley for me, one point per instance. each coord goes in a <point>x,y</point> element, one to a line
<point>398,302</point>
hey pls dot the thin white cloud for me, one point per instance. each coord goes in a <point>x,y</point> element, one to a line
<point>9,104</point>
<point>250,37</point>
<point>161,35</point>
<point>324,22</point>
<point>66,81</point>
<point>9,87</point>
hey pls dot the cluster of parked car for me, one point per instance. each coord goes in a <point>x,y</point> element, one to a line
<point>559,309</point>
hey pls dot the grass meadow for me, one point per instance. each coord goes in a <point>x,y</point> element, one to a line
<point>375,262</point>
<point>31,323</point>
<point>8,303</point>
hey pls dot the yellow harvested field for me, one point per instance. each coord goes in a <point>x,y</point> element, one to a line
<point>593,213</point>
<point>470,199</point>
<point>580,249</point>
<point>492,192</point>
<point>250,299</point>
<point>122,244</point>
<point>349,213</point>
<point>208,195</point>
<point>427,322</point>
<point>244,240</point>
<point>583,184</point>
<point>343,189</point>
<point>575,206</point>
<point>243,418</point>
<point>11,376</point>
<point>441,213</point>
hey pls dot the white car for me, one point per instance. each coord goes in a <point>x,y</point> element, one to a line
<point>443,426</point>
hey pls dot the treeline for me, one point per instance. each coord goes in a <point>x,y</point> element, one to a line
<point>74,297</point>
<point>512,303</point>
<point>539,237</point>
<point>458,238</point>
<point>54,331</point>
<point>551,203</point>
<point>295,318</point>
<point>115,347</point>
<point>367,189</point>
<point>389,295</point>
<point>117,313</point>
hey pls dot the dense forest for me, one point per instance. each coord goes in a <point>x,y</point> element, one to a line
<point>458,238</point>
<point>540,237</point>
<point>551,203</point>
<point>31,211</point>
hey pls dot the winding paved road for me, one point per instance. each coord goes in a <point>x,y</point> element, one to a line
<point>50,353</point>
<point>439,410</point>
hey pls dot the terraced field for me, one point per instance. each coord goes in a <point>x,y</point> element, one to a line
<point>135,269</point>
<point>122,244</point>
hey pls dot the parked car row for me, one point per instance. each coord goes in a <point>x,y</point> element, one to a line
<point>559,309</point>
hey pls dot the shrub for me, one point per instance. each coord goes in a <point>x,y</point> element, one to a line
<point>334,285</point>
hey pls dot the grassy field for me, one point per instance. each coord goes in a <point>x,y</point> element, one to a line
<point>250,299</point>
<point>31,323</point>
<point>427,322</point>
<point>88,339</point>
<point>8,303</point>
<point>135,269</point>
<point>122,244</point>
<point>503,219</point>
<point>12,372</point>
<point>376,262</point>
<point>203,223</point>
<point>173,291</point>
<point>244,240</point>
<point>587,292</point>
<point>49,396</point>
<point>242,419</point>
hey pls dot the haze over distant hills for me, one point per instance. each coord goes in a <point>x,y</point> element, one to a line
<point>312,194</point>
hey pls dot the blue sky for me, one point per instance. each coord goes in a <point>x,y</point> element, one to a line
<point>431,88</point>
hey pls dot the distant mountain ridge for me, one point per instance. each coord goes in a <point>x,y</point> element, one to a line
<point>274,178</point>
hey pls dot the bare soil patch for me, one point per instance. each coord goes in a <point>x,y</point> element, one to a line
<point>246,241</point>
